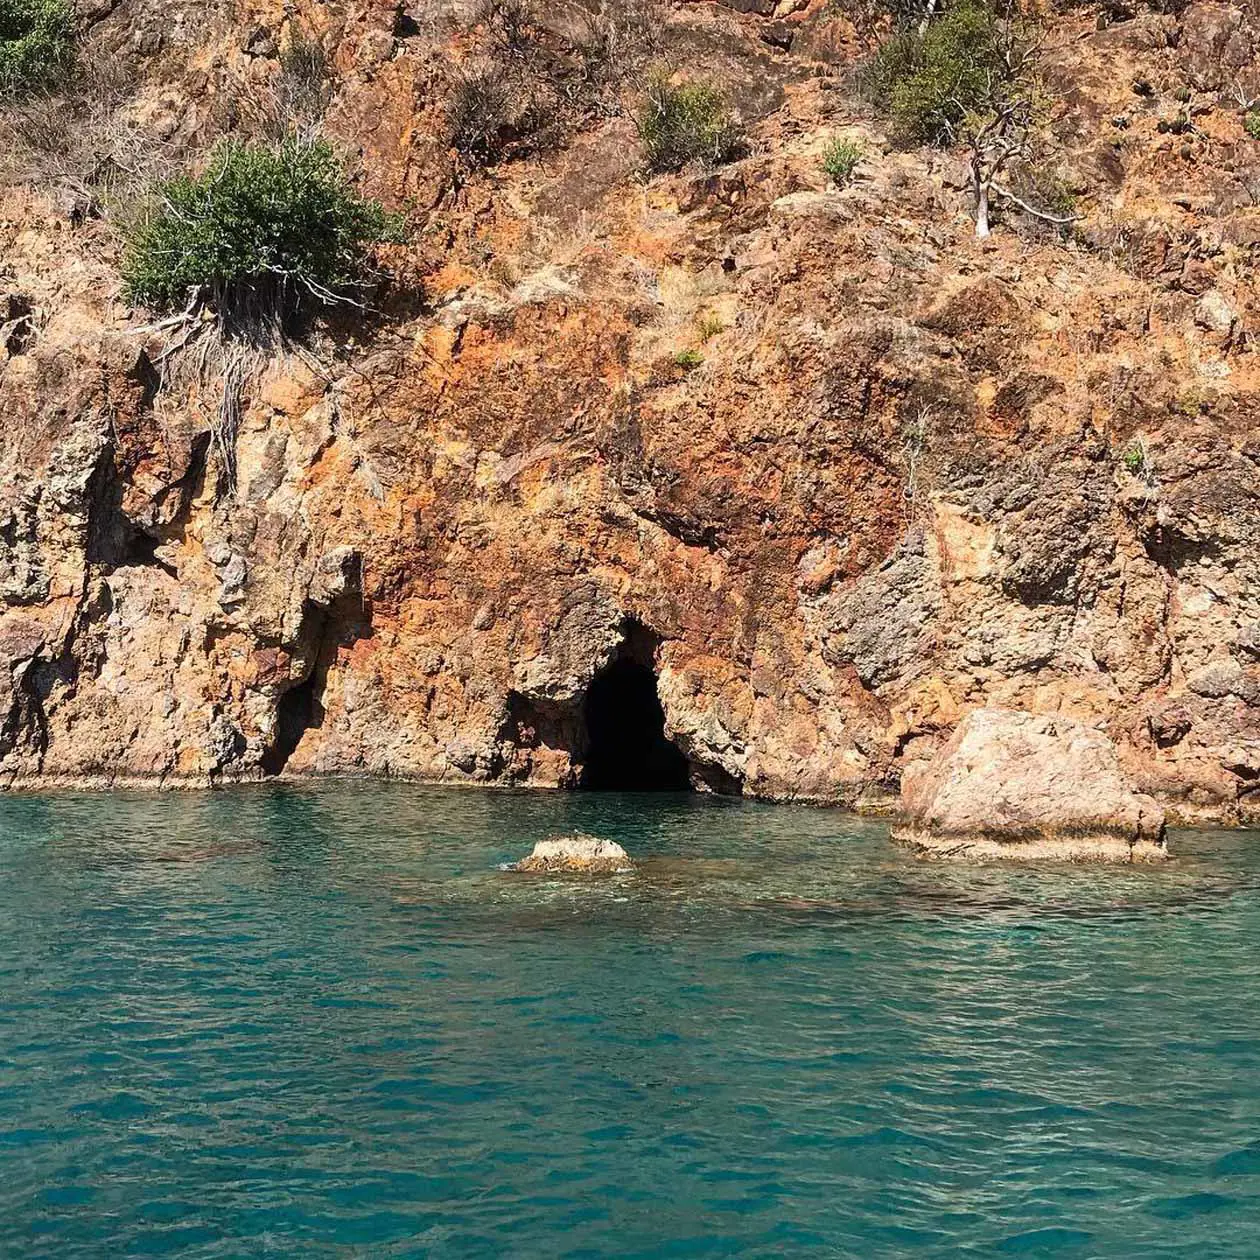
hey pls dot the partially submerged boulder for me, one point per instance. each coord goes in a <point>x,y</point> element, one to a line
<point>1023,785</point>
<point>587,855</point>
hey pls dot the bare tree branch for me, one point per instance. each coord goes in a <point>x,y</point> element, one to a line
<point>1061,220</point>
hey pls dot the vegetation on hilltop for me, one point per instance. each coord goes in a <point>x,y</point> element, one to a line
<point>263,229</point>
<point>35,43</point>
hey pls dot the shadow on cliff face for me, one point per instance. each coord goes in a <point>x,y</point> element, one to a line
<point>335,616</point>
<point>301,709</point>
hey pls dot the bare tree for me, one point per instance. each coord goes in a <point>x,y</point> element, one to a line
<point>1000,127</point>
<point>1000,139</point>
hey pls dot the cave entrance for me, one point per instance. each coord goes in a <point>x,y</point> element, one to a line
<point>626,748</point>
<point>301,708</point>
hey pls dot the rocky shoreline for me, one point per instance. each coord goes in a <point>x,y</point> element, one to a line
<point>803,473</point>
<point>1007,785</point>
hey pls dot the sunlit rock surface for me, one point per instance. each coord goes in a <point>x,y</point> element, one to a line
<point>586,855</point>
<point>914,474</point>
<point>1020,785</point>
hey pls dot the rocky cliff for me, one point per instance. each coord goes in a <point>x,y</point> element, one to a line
<point>905,473</point>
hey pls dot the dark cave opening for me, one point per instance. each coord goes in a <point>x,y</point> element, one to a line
<point>300,709</point>
<point>626,748</point>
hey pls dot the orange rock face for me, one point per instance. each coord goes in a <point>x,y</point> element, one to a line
<point>904,475</point>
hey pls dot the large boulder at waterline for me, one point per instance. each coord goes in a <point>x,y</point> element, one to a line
<point>1015,784</point>
<point>584,854</point>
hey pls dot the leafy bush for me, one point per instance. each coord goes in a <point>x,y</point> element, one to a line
<point>840,160</point>
<point>687,123</point>
<point>688,360</point>
<point>35,42</point>
<point>929,80</point>
<point>1251,124</point>
<point>260,231</point>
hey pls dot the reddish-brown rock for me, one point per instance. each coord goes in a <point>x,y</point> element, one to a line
<point>914,475</point>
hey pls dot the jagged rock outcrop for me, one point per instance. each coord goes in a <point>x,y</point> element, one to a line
<point>581,855</point>
<point>913,474</point>
<point>1030,786</point>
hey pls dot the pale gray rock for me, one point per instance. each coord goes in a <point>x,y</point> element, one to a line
<point>587,855</point>
<point>339,573</point>
<point>882,625</point>
<point>1016,784</point>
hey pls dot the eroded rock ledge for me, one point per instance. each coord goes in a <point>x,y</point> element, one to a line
<point>1020,785</point>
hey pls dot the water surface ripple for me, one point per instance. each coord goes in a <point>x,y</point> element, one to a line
<point>320,1022</point>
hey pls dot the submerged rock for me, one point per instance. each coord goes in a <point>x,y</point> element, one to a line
<point>1014,784</point>
<point>588,855</point>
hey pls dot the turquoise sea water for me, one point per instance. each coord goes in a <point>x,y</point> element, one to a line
<point>321,1023</point>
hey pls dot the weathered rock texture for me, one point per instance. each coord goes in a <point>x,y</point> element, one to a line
<point>907,480</point>
<point>582,855</point>
<point>1023,785</point>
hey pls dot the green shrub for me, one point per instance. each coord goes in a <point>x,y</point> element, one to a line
<point>928,81</point>
<point>35,42</point>
<point>262,230</point>
<point>688,360</point>
<point>1251,124</point>
<point>687,123</point>
<point>840,159</point>
<point>709,326</point>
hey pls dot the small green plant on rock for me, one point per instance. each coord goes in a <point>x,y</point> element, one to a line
<point>35,43</point>
<point>709,326</point>
<point>1251,124</point>
<point>1194,401</point>
<point>840,160</point>
<point>239,252</point>
<point>688,360</point>
<point>1137,462</point>
<point>685,123</point>
<point>262,231</point>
